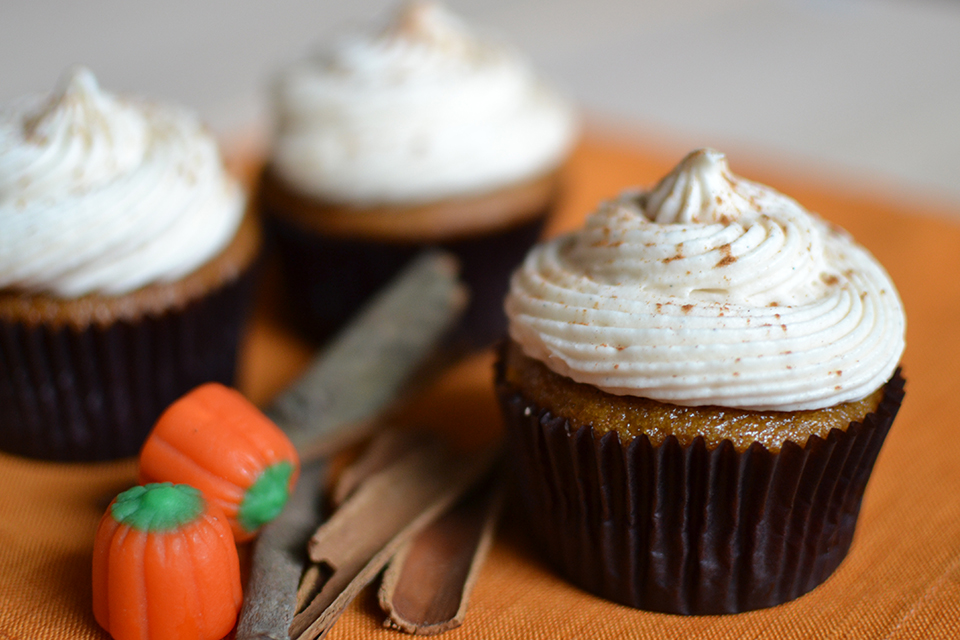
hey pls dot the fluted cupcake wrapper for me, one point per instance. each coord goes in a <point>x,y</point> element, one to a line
<point>329,278</point>
<point>687,529</point>
<point>94,394</point>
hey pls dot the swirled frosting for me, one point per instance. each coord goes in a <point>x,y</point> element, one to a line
<point>710,290</point>
<point>422,111</point>
<point>99,194</point>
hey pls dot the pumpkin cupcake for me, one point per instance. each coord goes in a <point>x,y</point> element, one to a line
<point>697,385</point>
<point>126,262</point>
<point>423,134</point>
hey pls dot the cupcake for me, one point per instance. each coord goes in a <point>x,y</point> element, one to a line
<point>423,134</point>
<point>126,260</point>
<point>696,386</point>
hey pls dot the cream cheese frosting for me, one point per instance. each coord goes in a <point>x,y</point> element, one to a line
<point>422,111</point>
<point>710,289</point>
<point>102,194</point>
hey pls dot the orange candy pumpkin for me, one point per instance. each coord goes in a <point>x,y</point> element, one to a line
<point>216,440</point>
<point>165,567</point>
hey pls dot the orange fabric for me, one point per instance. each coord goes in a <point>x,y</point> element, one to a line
<point>900,581</point>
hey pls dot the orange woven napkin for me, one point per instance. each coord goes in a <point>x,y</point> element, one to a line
<point>902,576</point>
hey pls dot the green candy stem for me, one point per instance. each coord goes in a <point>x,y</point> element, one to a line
<point>160,506</point>
<point>265,499</point>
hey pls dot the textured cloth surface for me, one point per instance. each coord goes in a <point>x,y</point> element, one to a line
<point>901,579</point>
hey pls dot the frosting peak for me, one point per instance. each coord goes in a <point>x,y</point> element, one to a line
<point>81,121</point>
<point>75,102</point>
<point>429,24</point>
<point>710,290</point>
<point>421,111</point>
<point>103,194</point>
<point>700,189</point>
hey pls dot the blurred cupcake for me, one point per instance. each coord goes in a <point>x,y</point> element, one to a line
<point>126,258</point>
<point>697,385</point>
<point>423,134</point>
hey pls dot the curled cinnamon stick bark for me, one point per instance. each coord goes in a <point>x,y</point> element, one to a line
<point>387,448</point>
<point>381,515</point>
<point>426,587</point>
<point>368,364</point>
<point>336,404</point>
<point>279,555</point>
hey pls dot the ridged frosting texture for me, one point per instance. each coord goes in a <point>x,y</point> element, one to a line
<point>710,290</point>
<point>422,111</point>
<point>101,194</point>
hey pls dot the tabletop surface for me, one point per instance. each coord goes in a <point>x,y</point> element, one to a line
<point>900,580</point>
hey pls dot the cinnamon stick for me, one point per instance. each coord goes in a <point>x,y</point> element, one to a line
<point>381,515</point>
<point>367,365</point>
<point>427,585</point>
<point>279,555</point>
<point>336,403</point>
<point>387,448</point>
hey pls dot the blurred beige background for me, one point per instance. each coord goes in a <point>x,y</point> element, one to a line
<point>866,91</point>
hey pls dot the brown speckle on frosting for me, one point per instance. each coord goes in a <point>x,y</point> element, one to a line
<point>728,257</point>
<point>678,256</point>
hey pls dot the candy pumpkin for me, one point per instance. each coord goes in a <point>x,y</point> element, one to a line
<point>216,440</point>
<point>165,566</point>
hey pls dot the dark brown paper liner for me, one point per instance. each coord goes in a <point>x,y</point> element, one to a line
<point>94,394</point>
<point>329,278</point>
<point>690,530</point>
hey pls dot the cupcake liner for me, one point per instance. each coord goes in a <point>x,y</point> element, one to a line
<point>94,394</point>
<point>687,529</point>
<point>329,277</point>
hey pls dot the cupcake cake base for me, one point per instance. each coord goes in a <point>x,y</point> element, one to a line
<point>691,529</point>
<point>85,379</point>
<point>334,257</point>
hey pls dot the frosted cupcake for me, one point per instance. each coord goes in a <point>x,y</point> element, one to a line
<point>126,259</point>
<point>422,134</point>
<point>697,385</point>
